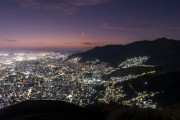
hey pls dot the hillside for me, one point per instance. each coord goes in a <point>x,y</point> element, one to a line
<point>166,85</point>
<point>47,110</point>
<point>161,51</point>
<point>58,110</point>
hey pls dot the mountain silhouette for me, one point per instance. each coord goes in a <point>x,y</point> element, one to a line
<point>58,110</point>
<point>161,51</point>
<point>47,110</point>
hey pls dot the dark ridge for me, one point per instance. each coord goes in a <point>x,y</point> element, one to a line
<point>47,110</point>
<point>57,110</point>
<point>161,51</point>
<point>166,84</point>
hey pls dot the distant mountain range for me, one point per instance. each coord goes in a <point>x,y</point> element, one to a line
<point>161,51</point>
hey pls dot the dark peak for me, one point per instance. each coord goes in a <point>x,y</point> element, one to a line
<point>168,49</point>
<point>137,42</point>
<point>161,39</point>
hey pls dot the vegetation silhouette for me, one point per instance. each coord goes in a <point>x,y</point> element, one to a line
<point>58,110</point>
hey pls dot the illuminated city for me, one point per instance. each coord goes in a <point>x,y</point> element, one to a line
<point>51,76</point>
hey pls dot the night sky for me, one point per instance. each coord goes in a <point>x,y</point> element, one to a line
<point>83,24</point>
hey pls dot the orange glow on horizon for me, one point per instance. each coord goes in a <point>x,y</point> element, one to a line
<point>48,44</point>
<point>54,43</point>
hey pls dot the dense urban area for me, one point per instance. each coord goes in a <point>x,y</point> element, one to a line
<point>51,76</point>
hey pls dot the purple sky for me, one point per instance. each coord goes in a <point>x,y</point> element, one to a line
<point>83,24</point>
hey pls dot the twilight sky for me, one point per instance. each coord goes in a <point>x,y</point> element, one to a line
<point>83,24</point>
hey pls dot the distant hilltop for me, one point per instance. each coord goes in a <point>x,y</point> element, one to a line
<point>161,51</point>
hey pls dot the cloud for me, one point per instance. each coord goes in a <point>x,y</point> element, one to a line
<point>89,43</point>
<point>84,43</point>
<point>86,2</point>
<point>66,6</point>
<point>9,40</point>
<point>139,26</point>
<point>44,5</point>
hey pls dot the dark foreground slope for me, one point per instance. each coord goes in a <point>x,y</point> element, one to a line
<point>57,110</point>
<point>47,110</point>
<point>161,52</point>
